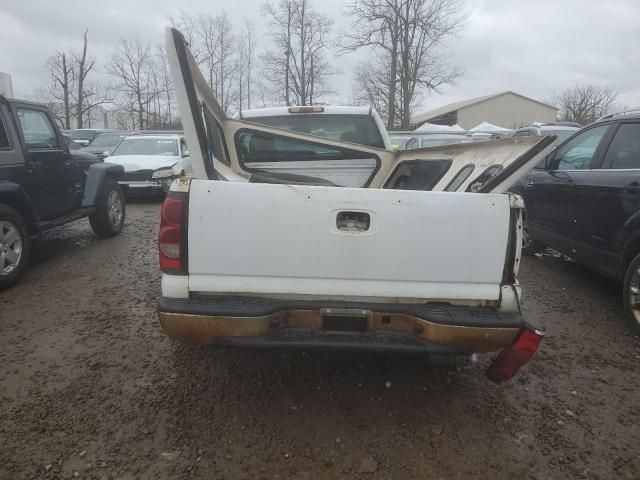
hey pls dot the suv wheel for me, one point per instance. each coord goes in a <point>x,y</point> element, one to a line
<point>529,245</point>
<point>631,295</point>
<point>15,246</point>
<point>108,219</point>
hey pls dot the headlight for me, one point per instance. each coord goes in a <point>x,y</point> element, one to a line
<point>163,173</point>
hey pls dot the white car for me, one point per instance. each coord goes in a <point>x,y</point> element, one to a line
<point>151,162</point>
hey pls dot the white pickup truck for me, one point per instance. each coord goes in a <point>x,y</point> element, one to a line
<point>262,259</point>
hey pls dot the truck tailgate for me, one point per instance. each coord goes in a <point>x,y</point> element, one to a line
<point>268,239</point>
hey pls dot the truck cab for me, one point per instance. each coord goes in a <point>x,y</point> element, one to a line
<point>42,185</point>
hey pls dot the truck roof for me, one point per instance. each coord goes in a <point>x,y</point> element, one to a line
<point>326,110</point>
<point>18,100</point>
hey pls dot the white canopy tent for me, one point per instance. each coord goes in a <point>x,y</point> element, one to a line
<point>432,127</point>
<point>489,127</point>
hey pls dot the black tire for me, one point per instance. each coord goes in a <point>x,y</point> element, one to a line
<point>11,220</point>
<point>108,219</point>
<point>629,298</point>
<point>529,245</point>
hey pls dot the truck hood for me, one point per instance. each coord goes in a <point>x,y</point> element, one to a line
<point>132,163</point>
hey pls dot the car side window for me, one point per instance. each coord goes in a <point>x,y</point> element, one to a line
<point>37,131</point>
<point>460,178</point>
<point>624,151</point>
<point>418,174</point>
<point>578,153</point>
<point>484,177</point>
<point>4,138</point>
<point>261,147</point>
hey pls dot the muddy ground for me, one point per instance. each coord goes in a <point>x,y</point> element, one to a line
<point>91,388</point>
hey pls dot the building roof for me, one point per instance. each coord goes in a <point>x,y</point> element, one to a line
<point>452,107</point>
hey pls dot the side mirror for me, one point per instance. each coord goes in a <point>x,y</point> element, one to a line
<point>186,153</point>
<point>106,153</point>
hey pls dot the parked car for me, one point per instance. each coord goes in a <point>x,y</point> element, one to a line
<point>562,130</point>
<point>308,266</point>
<point>71,144</point>
<point>84,136</point>
<point>82,158</point>
<point>151,162</point>
<point>42,185</point>
<point>105,142</point>
<point>585,203</point>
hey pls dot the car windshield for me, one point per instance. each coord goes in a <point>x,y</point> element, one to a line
<point>359,129</point>
<point>147,146</point>
<point>83,134</point>
<point>107,140</point>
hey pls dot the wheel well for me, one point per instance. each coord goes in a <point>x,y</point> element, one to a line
<point>18,205</point>
<point>631,249</point>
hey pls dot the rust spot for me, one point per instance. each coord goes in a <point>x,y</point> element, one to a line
<point>205,330</point>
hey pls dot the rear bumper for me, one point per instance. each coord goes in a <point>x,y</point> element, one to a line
<point>141,187</point>
<point>258,322</point>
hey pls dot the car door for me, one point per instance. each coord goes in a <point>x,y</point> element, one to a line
<point>550,194</point>
<point>51,179</point>
<point>608,201</point>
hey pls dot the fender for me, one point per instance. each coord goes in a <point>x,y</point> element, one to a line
<point>17,198</point>
<point>96,176</point>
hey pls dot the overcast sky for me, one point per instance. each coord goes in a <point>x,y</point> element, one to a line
<point>533,47</point>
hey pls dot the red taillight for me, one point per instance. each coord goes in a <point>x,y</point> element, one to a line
<point>172,235</point>
<point>509,361</point>
<point>306,109</point>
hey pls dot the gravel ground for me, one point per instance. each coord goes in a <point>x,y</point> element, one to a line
<point>91,388</point>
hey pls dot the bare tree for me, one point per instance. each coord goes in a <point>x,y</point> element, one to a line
<point>585,103</point>
<point>83,67</point>
<point>246,60</point>
<point>218,54</point>
<point>371,87</point>
<point>166,85</point>
<point>130,64</point>
<point>297,59</point>
<point>58,94</point>
<point>189,27</point>
<point>73,92</point>
<point>411,33</point>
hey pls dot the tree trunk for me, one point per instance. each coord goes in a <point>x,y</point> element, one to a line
<point>288,53</point>
<point>81,76</point>
<point>249,77</point>
<point>65,93</point>
<point>393,73</point>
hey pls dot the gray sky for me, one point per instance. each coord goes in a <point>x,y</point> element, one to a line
<point>534,47</point>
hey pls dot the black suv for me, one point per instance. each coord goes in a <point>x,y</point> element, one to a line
<point>585,203</point>
<point>43,186</point>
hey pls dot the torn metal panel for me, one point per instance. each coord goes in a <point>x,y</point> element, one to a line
<point>217,136</point>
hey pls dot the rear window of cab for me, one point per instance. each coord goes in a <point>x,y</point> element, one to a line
<point>360,129</point>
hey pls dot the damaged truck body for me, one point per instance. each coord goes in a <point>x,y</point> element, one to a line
<point>262,257</point>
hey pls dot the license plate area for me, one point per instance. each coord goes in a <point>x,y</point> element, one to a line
<point>345,320</point>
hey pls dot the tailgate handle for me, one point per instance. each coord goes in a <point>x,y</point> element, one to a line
<point>353,221</point>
